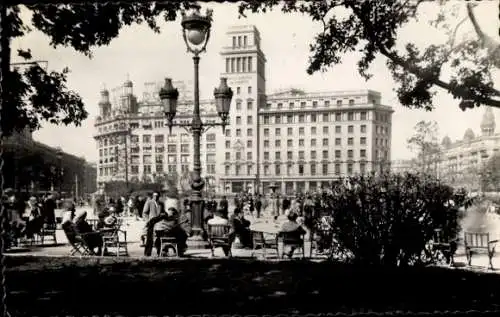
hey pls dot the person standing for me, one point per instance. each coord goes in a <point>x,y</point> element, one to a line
<point>258,204</point>
<point>151,211</point>
<point>224,205</point>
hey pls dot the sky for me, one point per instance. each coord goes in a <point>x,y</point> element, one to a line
<point>145,56</point>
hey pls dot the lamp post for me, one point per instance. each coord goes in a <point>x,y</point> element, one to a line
<point>59,155</point>
<point>196,32</point>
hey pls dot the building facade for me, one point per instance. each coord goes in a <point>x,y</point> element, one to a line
<point>295,139</point>
<point>463,160</point>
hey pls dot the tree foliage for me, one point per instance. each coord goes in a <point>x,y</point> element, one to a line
<point>490,174</point>
<point>371,27</point>
<point>390,219</point>
<point>34,95</point>
<point>424,142</point>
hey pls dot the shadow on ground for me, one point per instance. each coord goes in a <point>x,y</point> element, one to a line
<point>70,286</point>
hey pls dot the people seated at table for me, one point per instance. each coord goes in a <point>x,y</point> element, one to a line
<point>292,227</point>
<point>92,238</point>
<point>34,220</point>
<point>168,224</point>
<point>241,228</point>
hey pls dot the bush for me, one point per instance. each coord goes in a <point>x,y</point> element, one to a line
<point>390,219</point>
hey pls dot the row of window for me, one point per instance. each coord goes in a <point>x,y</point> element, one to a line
<point>171,159</point>
<point>147,138</point>
<point>314,104</point>
<point>148,169</point>
<point>239,41</point>
<point>299,169</point>
<point>301,155</point>
<point>239,64</point>
<point>312,118</point>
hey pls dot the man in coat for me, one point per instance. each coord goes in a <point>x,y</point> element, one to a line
<point>150,213</point>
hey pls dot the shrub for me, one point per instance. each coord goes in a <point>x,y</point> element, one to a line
<point>390,219</point>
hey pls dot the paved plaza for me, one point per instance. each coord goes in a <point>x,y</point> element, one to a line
<point>134,229</point>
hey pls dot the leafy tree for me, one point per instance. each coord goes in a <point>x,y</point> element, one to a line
<point>34,95</point>
<point>424,142</point>
<point>490,174</point>
<point>371,27</point>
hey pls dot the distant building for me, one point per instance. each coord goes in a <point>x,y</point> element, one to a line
<point>463,160</point>
<point>296,139</point>
<point>404,166</point>
<point>31,167</point>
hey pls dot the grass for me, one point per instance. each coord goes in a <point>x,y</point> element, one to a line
<point>68,286</point>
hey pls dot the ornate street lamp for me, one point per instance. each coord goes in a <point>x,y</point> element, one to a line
<point>59,155</point>
<point>196,32</point>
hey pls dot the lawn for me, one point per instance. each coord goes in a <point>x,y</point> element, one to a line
<point>69,286</point>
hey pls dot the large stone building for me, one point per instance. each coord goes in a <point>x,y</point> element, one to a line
<point>463,160</point>
<point>33,167</point>
<point>297,140</point>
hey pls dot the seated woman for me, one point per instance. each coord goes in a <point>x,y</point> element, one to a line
<point>291,226</point>
<point>168,225</point>
<point>107,219</point>
<point>92,238</point>
<point>34,222</point>
<point>241,228</point>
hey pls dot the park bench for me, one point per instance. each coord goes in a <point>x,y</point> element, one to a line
<point>115,238</point>
<point>293,240</point>
<point>166,243</point>
<point>219,237</point>
<point>260,242</point>
<point>443,247</point>
<point>475,242</point>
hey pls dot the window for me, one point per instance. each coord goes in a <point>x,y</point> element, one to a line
<point>350,141</point>
<point>313,142</point>
<point>228,144</point>
<point>327,103</point>
<point>243,64</point>
<point>349,168</point>
<point>277,143</point>
<point>238,156</point>
<point>325,130</point>
<point>338,154</point>
<point>289,119</point>
<point>266,119</point>
<point>338,116</point>
<point>232,65</point>
<point>338,129</point>
<point>301,169</point>
<point>211,137</point>
<point>362,140</point>
<point>362,153</point>
<point>277,169</point>
<point>147,169</point>
<point>266,132</point>
<point>266,156</point>
<point>227,169</point>
<point>289,155</point>
<point>325,142</point>
<point>266,170</point>
<point>289,131</point>
<point>228,65</point>
<point>303,104</point>
<point>238,120</point>
<point>290,105</point>
<point>184,148</point>
<point>249,143</point>
<point>301,155</point>
<point>237,170</point>
<point>172,148</point>
<point>289,143</point>
<point>277,119</point>
<point>350,116</point>
<point>325,117</point>
<point>249,105</point>
<point>238,90</point>
<point>350,129</point>
<point>339,103</point>
<point>266,143</point>
<point>338,141</point>
<point>249,132</point>
<point>249,120</point>
<point>301,118</point>
<point>280,105</point>
<point>363,128</point>
<point>250,64</point>
<point>315,104</point>
<point>313,118</point>
<point>313,155</point>
<point>228,156</point>
<point>301,142</point>
<point>244,40</point>
<point>313,169</point>
<point>249,89</point>
<point>277,132</point>
<point>146,138</point>
<point>159,138</point>
<point>238,105</point>
<point>289,169</point>
<point>238,64</point>
<point>351,102</point>
<point>238,132</point>
<point>362,168</point>
<point>277,156</point>
<point>324,169</point>
<point>313,130</point>
<point>301,131</point>
<point>363,115</point>
<point>350,154</point>
<point>337,168</point>
<point>249,156</point>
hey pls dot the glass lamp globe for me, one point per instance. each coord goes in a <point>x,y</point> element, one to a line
<point>196,37</point>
